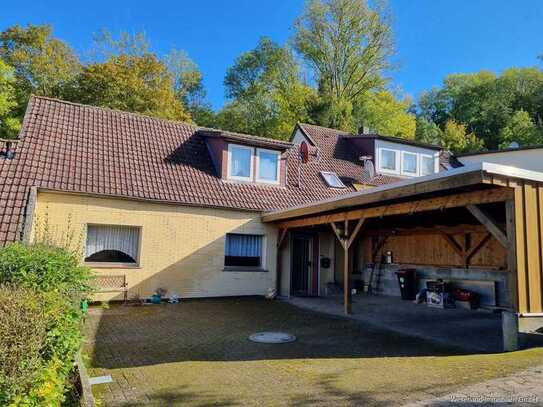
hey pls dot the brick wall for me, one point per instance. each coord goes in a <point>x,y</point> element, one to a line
<point>182,248</point>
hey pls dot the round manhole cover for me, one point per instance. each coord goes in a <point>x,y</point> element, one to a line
<point>272,337</point>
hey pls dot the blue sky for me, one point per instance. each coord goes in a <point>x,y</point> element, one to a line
<point>433,37</point>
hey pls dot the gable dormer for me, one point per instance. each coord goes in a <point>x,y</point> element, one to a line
<point>247,159</point>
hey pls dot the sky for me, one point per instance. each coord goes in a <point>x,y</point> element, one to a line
<point>433,38</point>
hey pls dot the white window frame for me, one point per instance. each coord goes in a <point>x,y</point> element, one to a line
<point>251,171</point>
<point>335,175</point>
<point>396,170</point>
<point>277,176</point>
<point>409,173</point>
<point>422,156</point>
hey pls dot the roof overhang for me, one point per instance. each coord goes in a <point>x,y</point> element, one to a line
<point>397,140</point>
<point>247,140</point>
<point>440,183</point>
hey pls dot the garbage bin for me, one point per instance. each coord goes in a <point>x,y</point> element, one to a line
<point>407,279</point>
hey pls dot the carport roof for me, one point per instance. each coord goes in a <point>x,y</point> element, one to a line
<point>481,173</point>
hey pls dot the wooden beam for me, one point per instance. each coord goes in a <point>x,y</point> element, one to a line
<point>375,197</point>
<point>451,201</point>
<point>347,306</point>
<point>426,231</point>
<point>279,266</point>
<point>511,254</point>
<point>353,235</point>
<point>338,235</point>
<point>489,223</point>
<point>282,234</point>
<point>520,255</point>
<point>454,244</point>
<point>533,255</point>
<point>475,248</point>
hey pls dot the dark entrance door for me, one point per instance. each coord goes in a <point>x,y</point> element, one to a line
<point>304,269</point>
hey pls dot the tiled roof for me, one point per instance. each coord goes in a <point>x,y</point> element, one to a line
<point>338,155</point>
<point>84,149</point>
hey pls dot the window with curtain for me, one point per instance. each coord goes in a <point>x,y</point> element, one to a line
<point>243,250</point>
<point>112,244</point>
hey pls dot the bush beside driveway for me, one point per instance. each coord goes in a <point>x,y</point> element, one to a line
<point>197,353</point>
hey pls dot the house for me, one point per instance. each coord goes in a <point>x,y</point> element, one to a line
<point>167,204</point>
<point>528,158</point>
<point>203,212</point>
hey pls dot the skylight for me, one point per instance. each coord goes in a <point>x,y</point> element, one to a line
<point>332,179</point>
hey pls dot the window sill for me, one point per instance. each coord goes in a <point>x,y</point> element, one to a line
<point>96,265</point>
<point>244,269</point>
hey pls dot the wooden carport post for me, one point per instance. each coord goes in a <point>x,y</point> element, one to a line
<point>346,241</point>
<point>508,241</point>
<point>282,234</point>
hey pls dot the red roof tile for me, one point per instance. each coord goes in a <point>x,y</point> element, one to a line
<point>84,149</point>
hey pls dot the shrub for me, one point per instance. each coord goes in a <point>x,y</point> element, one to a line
<point>44,268</point>
<point>23,324</point>
<point>40,325</point>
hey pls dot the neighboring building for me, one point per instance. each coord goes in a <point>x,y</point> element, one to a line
<point>176,206</point>
<point>529,158</point>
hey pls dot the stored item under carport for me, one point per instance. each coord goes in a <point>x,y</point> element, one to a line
<point>407,279</point>
<point>439,294</point>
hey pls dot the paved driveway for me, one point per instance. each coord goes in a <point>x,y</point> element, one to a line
<point>197,353</point>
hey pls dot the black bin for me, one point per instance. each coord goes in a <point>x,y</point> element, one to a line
<point>407,279</point>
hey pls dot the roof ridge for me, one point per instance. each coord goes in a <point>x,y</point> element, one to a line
<point>324,127</point>
<point>109,109</point>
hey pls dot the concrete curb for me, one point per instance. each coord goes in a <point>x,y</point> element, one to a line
<point>87,399</point>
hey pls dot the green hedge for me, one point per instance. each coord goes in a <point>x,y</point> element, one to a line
<point>40,322</point>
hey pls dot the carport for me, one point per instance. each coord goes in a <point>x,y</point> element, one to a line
<point>489,216</point>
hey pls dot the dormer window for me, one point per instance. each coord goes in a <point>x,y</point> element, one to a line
<point>409,163</point>
<point>388,160</point>
<point>332,179</point>
<point>267,166</point>
<point>240,162</point>
<point>253,164</point>
<point>427,165</point>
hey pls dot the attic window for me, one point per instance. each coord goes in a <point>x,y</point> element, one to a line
<point>332,179</point>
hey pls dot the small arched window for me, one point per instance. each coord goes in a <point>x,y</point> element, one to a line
<point>112,244</point>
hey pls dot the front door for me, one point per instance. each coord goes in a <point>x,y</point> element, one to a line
<point>304,271</point>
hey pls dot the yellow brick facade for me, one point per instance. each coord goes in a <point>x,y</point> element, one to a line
<point>181,247</point>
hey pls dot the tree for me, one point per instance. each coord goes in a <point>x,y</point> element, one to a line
<point>347,44</point>
<point>9,123</point>
<point>522,130</point>
<point>43,64</point>
<point>125,75</point>
<point>384,114</point>
<point>485,102</point>
<point>188,86</point>
<point>456,139</point>
<point>132,83</point>
<point>427,131</point>
<point>266,95</point>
